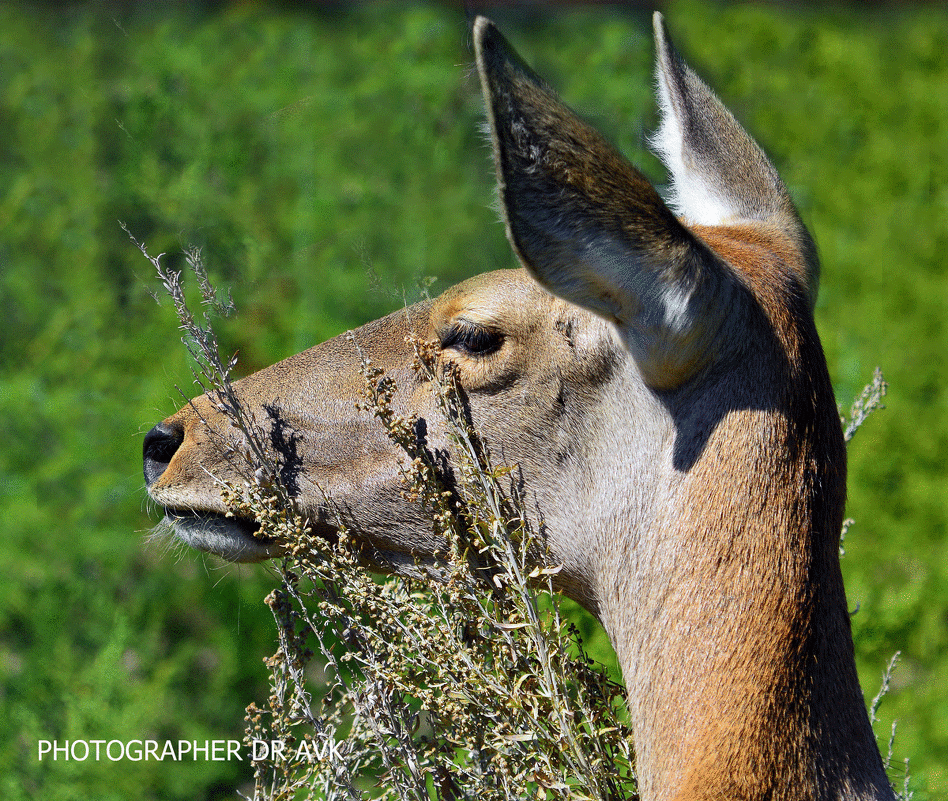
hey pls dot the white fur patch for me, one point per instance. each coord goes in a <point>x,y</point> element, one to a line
<point>690,195</point>
<point>646,297</point>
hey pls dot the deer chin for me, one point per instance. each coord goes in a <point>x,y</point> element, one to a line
<point>230,538</point>
<point>238,539</point>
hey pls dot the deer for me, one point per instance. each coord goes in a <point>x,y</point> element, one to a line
<point>653,370</point>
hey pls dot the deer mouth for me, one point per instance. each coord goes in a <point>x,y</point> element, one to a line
<point>233,539</point>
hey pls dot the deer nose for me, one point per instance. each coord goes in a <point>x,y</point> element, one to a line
<point>161,443</point>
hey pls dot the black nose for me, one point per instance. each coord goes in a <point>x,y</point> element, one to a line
<point>160,445</point>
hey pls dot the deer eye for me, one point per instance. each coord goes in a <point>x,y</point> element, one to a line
<point>471,339</point>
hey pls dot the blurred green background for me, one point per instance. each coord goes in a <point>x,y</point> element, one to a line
<point>328,161</point>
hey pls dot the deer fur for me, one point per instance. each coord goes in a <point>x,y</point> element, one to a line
<point>655,374</point>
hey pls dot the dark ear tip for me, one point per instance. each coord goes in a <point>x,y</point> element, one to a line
<point>486,37</point>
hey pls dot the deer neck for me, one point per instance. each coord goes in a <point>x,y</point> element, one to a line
<point>729,617</point>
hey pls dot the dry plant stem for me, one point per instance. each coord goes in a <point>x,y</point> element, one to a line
<point>906,794</point>
<point>886,681</point>
<point>212,374</point>
<point>521,586</point>
<point>868,401</point>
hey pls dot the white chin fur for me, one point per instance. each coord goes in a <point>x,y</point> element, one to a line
<point>221,536</point>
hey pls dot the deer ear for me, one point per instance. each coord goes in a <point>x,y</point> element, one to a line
<point>590,227</point>
<point>719,174</point>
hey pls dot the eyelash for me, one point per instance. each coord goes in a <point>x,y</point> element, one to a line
<point>472,340</point>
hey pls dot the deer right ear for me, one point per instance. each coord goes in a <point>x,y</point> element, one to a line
<point>591,228</point>
<point>719,174</point>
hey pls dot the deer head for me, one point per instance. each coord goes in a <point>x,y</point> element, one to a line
<point>655,374</point>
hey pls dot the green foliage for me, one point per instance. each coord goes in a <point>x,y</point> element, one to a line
<point>323,163</point>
